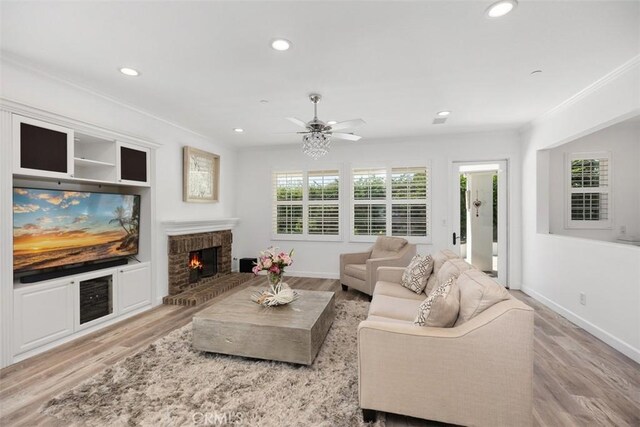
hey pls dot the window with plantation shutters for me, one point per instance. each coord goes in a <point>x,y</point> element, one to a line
<point>409,201</point>
<point>390,201</point>
<point>589,201</point>
<point>307,204</point>
<point>323,202</point>
<point>288,214</point>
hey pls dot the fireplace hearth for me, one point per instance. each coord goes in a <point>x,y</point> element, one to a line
<point>196,259</point>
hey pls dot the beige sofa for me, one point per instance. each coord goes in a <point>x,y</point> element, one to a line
<point>478,373</point>
<point>358,270</point>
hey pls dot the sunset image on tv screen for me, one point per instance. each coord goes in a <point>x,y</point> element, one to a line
<point>53,228</point>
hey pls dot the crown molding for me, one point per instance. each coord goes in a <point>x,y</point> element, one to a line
<point>77,125</point>
<point>22,64</point>
<point>593,87</point>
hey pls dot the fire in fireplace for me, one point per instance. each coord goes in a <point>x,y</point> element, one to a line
<point>202,263</point>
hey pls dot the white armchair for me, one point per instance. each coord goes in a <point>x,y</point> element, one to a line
<point>358,270</point>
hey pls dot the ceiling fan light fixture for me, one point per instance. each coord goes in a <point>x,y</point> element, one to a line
<point>316,144</point>
<point>500,8</point>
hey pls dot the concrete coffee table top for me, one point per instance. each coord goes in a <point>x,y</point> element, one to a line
<point>291,333</point>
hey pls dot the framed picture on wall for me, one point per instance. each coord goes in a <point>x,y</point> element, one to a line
<point>201,176</point>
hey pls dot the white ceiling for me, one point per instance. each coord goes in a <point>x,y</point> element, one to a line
<point>206,65</point>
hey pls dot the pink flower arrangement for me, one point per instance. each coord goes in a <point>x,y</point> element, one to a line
<point>274,263</point>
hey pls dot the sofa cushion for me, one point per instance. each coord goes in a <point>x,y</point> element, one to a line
<point>452,268</point>
<point>417,272</point>
<point>396,290</point>
<point>387,247</point>
<point>477,293</point>
<point>394,308</point>
<point>438,261</point>
<point>359,271</point>
<point>440,309</point>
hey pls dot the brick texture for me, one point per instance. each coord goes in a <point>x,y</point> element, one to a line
<point>179,248</point>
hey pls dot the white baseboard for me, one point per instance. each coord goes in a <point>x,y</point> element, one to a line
<point>312,274</point>
<point>594,330</point>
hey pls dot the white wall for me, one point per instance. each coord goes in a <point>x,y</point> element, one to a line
<point>42,91</point>
<point>556,269</point>
<point>623,142</point>
<point>320,259</point>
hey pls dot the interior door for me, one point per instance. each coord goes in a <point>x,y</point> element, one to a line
<point>469,204</point>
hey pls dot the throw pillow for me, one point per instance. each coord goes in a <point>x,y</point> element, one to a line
<point>438,261</point>
<point>417,272</point>
<point>440,309</point>
<point>478,292</point>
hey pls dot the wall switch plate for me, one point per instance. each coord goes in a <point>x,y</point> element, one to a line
<point>583,298</point>
<point>623,229</point>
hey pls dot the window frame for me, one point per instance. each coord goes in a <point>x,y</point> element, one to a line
<point>388,201</point>
<point>305,236</point>
<point>572,224</point>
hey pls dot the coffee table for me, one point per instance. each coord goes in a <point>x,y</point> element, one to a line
<point>290,333</point>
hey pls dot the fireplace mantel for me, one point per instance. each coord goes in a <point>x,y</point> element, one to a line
<point>181,227</point>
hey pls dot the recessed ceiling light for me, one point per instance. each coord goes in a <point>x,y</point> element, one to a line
<point>129,72</point>
<point>444,113</point>
<point>264,101</point>
<point>281,44</point>
<point>331,122</point>
<point>534,72</point>
<point>500,8</point>
<point>238,130</point>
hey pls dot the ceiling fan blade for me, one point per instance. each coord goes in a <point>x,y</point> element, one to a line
<point>347,124</point>
<point>297,122</point>
<point>347,136</point>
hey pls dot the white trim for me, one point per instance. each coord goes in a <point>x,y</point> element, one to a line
<point>12,60</point>
<point>181,227</point>
<point>76,125</point>
<point>587,91</point>
<point>594,330</point>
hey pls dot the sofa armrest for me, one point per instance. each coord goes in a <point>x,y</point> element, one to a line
<point>401,260</point>
<point>486,363</point>
<point>352,258</point>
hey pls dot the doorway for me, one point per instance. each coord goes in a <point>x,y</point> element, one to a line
<point>480,215</point>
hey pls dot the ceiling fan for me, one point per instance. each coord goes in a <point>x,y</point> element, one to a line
<point>317,136</point>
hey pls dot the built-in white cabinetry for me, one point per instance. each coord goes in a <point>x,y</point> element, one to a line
<point>42,313</point>
<point>133,287</point>
<point>51,312</point>
<point>132,164</point>
<point>42,149</point>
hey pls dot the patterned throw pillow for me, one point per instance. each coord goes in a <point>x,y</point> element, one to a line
<point>441,307</point>
<point>417,272</point>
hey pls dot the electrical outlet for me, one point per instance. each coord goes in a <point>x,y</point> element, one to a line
<point>583,298</point>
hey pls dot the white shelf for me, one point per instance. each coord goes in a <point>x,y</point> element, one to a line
<point>89,162</point>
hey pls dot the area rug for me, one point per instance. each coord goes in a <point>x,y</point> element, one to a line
<point>171,384</point>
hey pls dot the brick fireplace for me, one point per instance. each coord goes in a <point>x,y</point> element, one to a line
<point>181,250</point>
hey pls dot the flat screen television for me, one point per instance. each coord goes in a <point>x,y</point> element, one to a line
<point>53,228</point>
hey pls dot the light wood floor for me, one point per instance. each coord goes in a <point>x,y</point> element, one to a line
<point>579,380</point>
